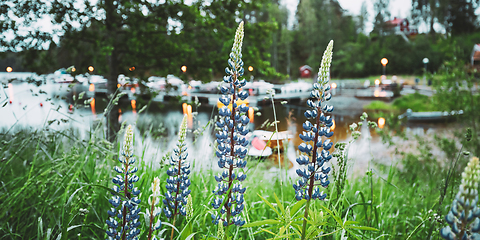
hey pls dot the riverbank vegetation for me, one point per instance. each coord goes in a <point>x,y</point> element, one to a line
<point>58,185</point>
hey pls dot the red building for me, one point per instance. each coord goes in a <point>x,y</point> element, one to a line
<point>305,71</point>
<point>401,26</point>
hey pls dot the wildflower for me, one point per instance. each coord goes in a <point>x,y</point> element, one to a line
<point>126,210</point>
<point>463,216</point>
<point>231,150</point>
<point>178,182</point>
<point>155,211</point>
<point>316,143</point>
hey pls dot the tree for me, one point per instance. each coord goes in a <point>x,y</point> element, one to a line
<point>153,37</point>
<point>381,16</point>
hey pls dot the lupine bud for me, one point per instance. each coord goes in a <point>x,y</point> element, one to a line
<point>127,208</point>
<point>178,183</point>
<point>231,149</point>
<point>314,157</point>
<point>464,211</point>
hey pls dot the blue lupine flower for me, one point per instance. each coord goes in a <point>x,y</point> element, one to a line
<point>177,183</point>
<point>231,148</point>
<point>315,146</point>
<point>127,209</point>
<point>463,217</point>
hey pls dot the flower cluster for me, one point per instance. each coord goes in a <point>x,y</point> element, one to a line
<point>315,155</point>
<point>155,211</point>
<point>178,182</point>
<point>231,140</point>
<point>125,210</point>
<point>463,216</point>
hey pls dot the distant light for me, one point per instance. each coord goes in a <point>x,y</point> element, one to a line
<point>251,114</point>
<point>91,69</point>
<point>333,126</point>
<point>118,85</point>
<point>74,69</point>
<point>131,69</point>
<point>184,68</point>
<point>132,90</point>
<point>425,60</point>
<point>91,88</point>
<point>377,82</point>
<point>9,69</point>
<point>384,61</point>
<point>184,107</point>
<point>134,104</point>
<point>334,85</point>
<point>381,122</point>
<point>250,68</point>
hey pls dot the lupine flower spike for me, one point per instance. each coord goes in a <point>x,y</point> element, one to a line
<point>463,218</point>
<point>316,144</point>
<point>231,141</point>
<point>178,182</point>
<point>150,216</point>
<point>127,210</point>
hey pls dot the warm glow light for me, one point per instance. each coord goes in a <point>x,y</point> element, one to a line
<point>251,114</point>
<point>184,93</point>
<point>74,69</point>
<point>91,88</point>
<point>250,68</point>
<point>189,116</point>
<point>118,85</point>
<point>333,126</point>
<point>334,85</point>
<point>381,122</point>
<point>134,104</point>
<point>92,105</point>
<point>189,87</point>
<point>90,69</point>
<point>184,106</point>
<point>119,115</point>
<point>131,69</point>
<point>377,82</point>
<point>132,90</point>
<point>384,61</point>
<point>184,68</point>
<point>376,93</point>
<point>9,69</point>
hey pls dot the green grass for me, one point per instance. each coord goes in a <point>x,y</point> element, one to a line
<point>56,186</point>
<point>416,101</point>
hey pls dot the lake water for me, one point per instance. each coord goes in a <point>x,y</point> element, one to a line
<point>52,104</point>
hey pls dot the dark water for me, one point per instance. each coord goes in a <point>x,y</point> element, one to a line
<point>52,104</point>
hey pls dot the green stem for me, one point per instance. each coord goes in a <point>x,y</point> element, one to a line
<point>305,216</point>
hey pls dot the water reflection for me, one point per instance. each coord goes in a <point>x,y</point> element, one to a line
<point>381,122</point>
<point>10,92</point>
<point>92,106</point>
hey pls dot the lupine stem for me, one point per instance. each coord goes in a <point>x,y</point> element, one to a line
<point>312,178</point>
<point>173,223</point>
<point>305,216</point>
<point>127,196</point>
<point>232,153</point>
<point>150,231</point>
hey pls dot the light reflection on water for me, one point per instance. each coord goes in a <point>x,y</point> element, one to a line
<point>36,107</point>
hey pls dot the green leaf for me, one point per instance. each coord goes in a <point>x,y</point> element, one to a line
<point>262,222</point>
<point>269,204</point>
<point>296,207</point>
<point>279,204</point>
<point>362,228</point>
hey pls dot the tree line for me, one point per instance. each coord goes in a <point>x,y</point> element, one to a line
<point>158,37</point>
